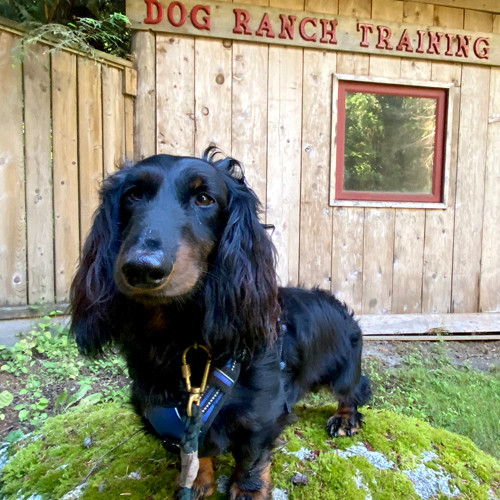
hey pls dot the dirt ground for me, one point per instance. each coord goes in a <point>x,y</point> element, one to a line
<point>480,355</point>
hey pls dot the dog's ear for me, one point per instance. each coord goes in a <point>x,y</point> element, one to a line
<point>93,288</point>
<point>241,301</point>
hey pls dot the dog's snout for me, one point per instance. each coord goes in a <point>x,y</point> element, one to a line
<point>146,270</point>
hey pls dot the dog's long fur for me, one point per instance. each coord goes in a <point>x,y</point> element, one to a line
<point>177,255</point>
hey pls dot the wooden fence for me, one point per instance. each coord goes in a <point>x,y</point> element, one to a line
<point>65,121</point>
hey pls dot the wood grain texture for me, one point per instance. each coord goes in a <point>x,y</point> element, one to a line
<point>213,68</point>
<point>315,214</point>
<point>13,286</point>
<point>175,82</point>
<point>38,146</point>
<point>65,159</point>
<point>284,158</point>
<point>143,46</point>
<point>90,140</point>
<point>472,148</point>
<point>249,113</point>
<point>113,119</point>
<point>439,224</point>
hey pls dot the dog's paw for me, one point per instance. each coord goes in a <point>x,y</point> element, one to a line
<point>203,485</point>
<point>245,491</point>
<point>344,424</point>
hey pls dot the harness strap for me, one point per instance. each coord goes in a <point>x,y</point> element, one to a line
<point>167,421</point>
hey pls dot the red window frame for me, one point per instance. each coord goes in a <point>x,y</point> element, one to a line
<point>440,94</point>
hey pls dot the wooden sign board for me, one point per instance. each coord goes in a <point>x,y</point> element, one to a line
<point>312,30</point>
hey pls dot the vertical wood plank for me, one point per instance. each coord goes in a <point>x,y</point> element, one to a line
<point>316,215</point>
<point>470,184</point>
<point>213,75</point>
<point>39,208</point>
<point>90,140</point>
<point>65,167</point>
<point>129,102</point>
<point>249,113</point>
<point>489,292</point>
<point>379,223</point>
<point>409,226</point>
<point>13,290</point>
<point>113,119</point>
<point>439,224</point>
<point>175,95</point>
<point>348,223</point>
<point>283,175</point>
<point>143,46</point>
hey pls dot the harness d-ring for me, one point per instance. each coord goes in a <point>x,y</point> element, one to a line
<point>195,392</point>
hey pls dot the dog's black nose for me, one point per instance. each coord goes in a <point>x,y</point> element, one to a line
<point>146,270</point>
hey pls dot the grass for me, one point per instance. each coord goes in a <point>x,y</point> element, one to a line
<point>459,399</point>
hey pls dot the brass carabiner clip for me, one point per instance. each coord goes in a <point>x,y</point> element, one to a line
<point>194,392</point>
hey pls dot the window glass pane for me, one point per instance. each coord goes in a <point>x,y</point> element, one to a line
<point>389,143</point>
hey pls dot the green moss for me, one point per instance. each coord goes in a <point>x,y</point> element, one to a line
<point>107,442</point>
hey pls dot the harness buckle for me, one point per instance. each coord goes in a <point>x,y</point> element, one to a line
<point>194,392</point>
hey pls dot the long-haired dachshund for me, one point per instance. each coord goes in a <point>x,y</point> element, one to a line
<point>176,257</point>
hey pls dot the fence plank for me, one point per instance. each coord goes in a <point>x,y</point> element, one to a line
<point>65,158</point>
<point>143,46</point>
<point>129,128</point>
<point>490,263</point>
<point>470,182</point>
<point>90,140</point>
<point>439,224</point>
<point>315,214</point>
<point>249,113</point>
<point>13,287</point>
<point>113,119</point>
<point>175,95</point>
<point>39,208</point>
<point>283,173</point>
<point>213,68</point>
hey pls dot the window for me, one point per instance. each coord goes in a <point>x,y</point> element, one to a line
<point>390,143</point>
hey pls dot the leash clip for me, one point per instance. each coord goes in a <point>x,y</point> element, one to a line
<point>194,392</point>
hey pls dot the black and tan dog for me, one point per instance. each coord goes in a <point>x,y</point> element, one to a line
<point>177,256</point>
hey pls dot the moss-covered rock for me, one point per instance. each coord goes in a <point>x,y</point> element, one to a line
<point>101,452</point>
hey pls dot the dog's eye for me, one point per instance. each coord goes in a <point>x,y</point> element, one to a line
<point>134,194</point>
<point>203,200</point>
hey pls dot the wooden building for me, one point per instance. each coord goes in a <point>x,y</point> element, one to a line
<point>267,82</point>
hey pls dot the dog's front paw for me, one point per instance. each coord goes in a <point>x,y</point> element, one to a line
<point>252,488</point>
<point>345,422</point>
<point>203,485</point>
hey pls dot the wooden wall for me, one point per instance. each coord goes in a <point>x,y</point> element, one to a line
<point>65,122</point>
<point>271,107</point>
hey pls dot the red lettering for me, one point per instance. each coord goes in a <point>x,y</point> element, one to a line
<point>384,33</point>
<point>205,24</point>
<point>449,46</point>
<point>405,42</point>
<point>420,48</point>
<point>183,14</point>
<point>288,25</point>
<point>434,43</point>
<point>302,29</point>
<point>365,28</point>
<point>463,46</point>
<point>241,20</point>
<point>149,12</point>
<point>484,51</point>
<point>265,25</point>
<point>328,32</point>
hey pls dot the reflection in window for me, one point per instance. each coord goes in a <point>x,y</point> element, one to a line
<point>390,142</point>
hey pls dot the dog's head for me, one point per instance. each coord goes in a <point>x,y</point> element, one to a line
<point>171,229</point>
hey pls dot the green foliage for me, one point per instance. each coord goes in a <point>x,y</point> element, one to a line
<point>104,451</point>
<point>77,24</point>
<point>388,143</point>
<point>461,400</point>
<point>51,376</point>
